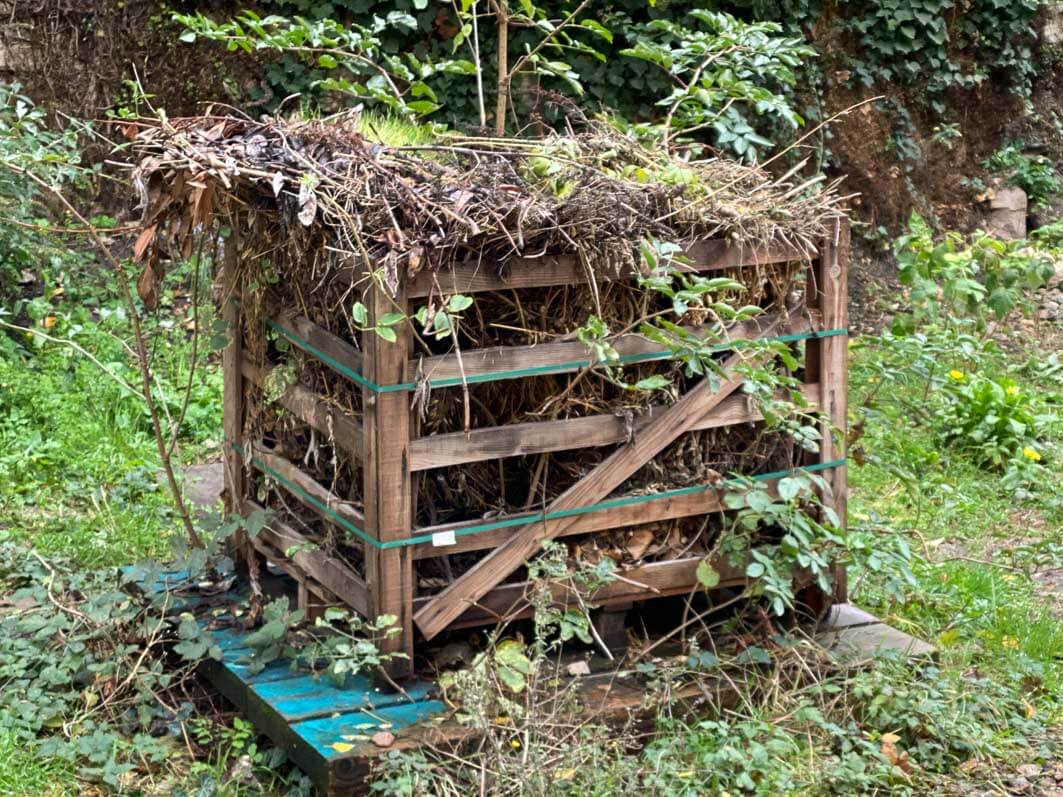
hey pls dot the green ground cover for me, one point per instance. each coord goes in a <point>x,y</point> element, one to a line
<point>970,558</point>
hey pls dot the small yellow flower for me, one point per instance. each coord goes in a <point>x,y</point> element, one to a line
<point>1031,454</point>
<point>957,375</point>
<point>1011,643</point>
<point>1012,390</point>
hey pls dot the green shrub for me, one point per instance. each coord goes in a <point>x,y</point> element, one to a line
<point>29,147</point>
<point>956,277</point>
<point>993,420</point>
<point>1034,174</point>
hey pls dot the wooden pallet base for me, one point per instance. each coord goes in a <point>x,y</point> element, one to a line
<point>326,730</point>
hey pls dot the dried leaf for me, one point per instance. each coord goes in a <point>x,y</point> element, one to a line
<point>143,240</point>
<point>147,287</point>
<point>383,738</point>
<point>307,204</point>
<point>637,543</point>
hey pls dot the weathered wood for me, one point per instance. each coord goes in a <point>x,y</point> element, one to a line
<point>308,591</point>
<point>654,580</point>
<point>319,493</point>
<point>832,275</point>
<point>232,380</point>
<point>337,349</point>
<point>569,356</point>
<point>330,421</point>
<point>540,437</point>
<point>388,486</point>
<point>652,511</point>
<point>566,269</point>
<point>602,480</point>
<point>330,572</point>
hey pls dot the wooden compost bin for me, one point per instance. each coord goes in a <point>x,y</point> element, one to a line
<point>391,452</point>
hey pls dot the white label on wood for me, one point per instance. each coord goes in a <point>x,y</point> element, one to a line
<point>443,538</point>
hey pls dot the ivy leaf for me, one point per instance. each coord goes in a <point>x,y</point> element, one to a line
<point>790,488</point>
<point>707,576</point>
<point>360,314</point>
<point>459,302</point>
<point>387,333</point>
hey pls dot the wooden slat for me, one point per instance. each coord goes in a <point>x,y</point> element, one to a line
<point>306,586</point>
<point>233,382</point>
<point>568,356</point>
<point>602,480</point>
<point>540,437</point>
<point>388,488</point>
<point>328,571</point>
<point>324,341</point>
<point>331,422</point>
<point>654,580</point>
<point>318,492</point>
<point>832,276</point>
<point>566,269</point>
<point>654,511</point>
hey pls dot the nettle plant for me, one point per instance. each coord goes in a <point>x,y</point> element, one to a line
<point>722,76</point>
<point>991,419</point>
<point>28,146</point>
<point>956,277</point>
<point>351,54</point>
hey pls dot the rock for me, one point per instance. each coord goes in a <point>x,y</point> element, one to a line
<point>1028,770</point>
<point>1051,32</point>
<point>1057,277</point>
<point>1007,214</point>
<point>579,668</point>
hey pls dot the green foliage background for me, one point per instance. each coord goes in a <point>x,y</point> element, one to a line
<point>930,46</point>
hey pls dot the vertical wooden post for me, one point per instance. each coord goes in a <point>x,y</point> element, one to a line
<point>233,380</point>
<point>388,492</point>
<point>828,363</point>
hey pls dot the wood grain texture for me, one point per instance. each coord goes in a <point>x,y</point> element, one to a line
<point>318,492</point>
<point>388,487</point>
<point>565,357</point>
<point>654,511</point>
<point>595,486</point>
<point>833,373</point>
<point>330,421</point>
<point>232,379</point>
<point>520,272</point>
<point>520,439</point>
<point>321,339</point>
<point>654,580</point>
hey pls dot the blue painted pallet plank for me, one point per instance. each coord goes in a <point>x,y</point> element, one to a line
<point>306,697</point>
<point>332,737</point>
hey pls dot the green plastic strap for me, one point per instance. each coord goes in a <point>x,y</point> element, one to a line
<point>495,376</point>
<point>536,517</point>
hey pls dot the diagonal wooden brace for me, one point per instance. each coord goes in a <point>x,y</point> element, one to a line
<point>490,571</point>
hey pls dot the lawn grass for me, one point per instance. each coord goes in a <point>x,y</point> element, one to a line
<point>78,458</point>
<point>25,774</point>
<point>978,546</point>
